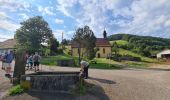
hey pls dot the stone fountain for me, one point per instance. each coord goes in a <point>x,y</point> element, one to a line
<point>51,81</point>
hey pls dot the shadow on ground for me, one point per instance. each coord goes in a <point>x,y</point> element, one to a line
<point>51,96</point>
<point>103,80</point>
<point>94,92</point>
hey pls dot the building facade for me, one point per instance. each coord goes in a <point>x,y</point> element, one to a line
<point>164,54</point>
<point>7,46</point>
<point>102,44</point>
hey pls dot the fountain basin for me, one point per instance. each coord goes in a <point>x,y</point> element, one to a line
<point>51,81</point>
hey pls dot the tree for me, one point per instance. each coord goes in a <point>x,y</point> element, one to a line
<point>104,34</point>
<point>89,42</point>
<point>86,38</point>
<point>115,48</point>
<point>32,33</point>
<point>65,42</point>
<point>53,45</point>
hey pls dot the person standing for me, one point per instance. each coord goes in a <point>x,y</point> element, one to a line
<point>3,60</point>
<point>85,66</point>
<point>8,60</point>
<point>36,59</point>
<point>30,61</point>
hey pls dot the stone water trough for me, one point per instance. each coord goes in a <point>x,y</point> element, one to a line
<point>51,81</point>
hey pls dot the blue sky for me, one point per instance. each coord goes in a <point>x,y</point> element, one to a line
<point>140,17</point>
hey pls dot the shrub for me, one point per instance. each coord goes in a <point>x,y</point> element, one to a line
<point>16,90</point>
<point>60,51</point>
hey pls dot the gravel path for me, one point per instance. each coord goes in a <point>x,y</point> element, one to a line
<point>126,84</point>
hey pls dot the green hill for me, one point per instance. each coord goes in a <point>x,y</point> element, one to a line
<point>143,45</point>
<point>120,42</point>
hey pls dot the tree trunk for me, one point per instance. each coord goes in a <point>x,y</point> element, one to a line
<point>19,68</point>
<point>79,53</point>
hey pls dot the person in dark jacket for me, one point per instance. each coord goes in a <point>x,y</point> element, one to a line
<point>85,67</point>
<point>8,60</point>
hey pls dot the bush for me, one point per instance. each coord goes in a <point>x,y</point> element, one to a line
<point>116,57</point>
<point>16,90</point>
<point>130,58</point>
<point>125,57</point>
<point>60,51</point>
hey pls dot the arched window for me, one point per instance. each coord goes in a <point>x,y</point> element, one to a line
<point>104,50</point>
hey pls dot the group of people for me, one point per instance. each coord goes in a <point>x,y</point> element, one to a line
<point>7,59</point>
<point>33,60</point>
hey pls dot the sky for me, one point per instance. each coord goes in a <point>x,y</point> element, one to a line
<point>139,17</point>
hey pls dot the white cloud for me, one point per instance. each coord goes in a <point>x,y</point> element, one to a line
<point>59,21</point>
<point>149,18</point>
<point>64,5</point>
<point>167,23</point>
<point>4,37</point>
<point>66,34</point>
<point>14,6</point>
<point>142,17</point>
<point>3,16</point>
<point>8,25</point>
<point>46,10</point>
<point>24,16</point>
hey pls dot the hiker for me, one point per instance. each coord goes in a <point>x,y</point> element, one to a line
<point>3,60</point>
<point>36,59</point>
<point>26,57</point>
<point>84,68</point>
<point>30,61</point>
<point>8,60</point>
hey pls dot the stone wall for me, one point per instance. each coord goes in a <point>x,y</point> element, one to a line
<point>52,81</point>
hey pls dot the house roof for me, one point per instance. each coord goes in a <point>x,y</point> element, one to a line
<point>165,52</point>
<point>10,43</point>
<point>100,42</point>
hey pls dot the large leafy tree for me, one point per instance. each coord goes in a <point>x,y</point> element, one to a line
<point>115,48</point>
<point>53,45</point>
<point>86,38</point>
<point>32,33</point>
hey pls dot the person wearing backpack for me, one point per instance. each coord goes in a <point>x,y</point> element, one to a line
<point>36,59</point>
<point>30,61</point>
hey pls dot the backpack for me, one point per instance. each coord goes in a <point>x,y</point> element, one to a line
<point>36,58</point>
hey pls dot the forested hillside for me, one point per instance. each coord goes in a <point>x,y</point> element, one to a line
<point>144,45</point>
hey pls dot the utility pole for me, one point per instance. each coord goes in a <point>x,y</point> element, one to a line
<point>62,40</point>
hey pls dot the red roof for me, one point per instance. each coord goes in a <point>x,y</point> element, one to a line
<point>100,42</point>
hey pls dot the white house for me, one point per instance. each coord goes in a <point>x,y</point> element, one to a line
<point>164,54</point>
<point>7,46</point>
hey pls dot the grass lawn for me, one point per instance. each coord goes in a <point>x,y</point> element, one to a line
<point>144,59</point>
<point>133,64</point>
<point>102,63</point>
<point>120,42</point>
<point>52,60</point>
